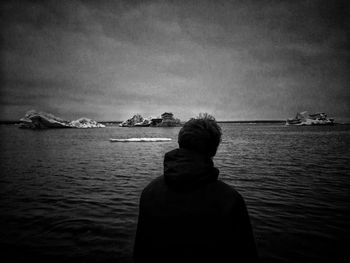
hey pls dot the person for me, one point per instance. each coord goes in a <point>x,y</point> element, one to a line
<point>187,214</point>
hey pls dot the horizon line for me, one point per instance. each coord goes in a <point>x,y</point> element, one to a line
<point>4,122</point>
<point>118,121</point>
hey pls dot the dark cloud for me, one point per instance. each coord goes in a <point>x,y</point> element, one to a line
<point>234,59</point>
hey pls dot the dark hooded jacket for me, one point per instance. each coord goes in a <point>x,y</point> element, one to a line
<point>188,215</point>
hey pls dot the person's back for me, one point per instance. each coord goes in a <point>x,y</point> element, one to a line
<point>188,215</point>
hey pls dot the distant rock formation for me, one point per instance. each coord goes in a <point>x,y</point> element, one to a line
<point>166,120</point>
<point>43,120</point>
<point>305,119</point>
<point>132,121</point>
<point>145,123</point>
<point>83,123</point>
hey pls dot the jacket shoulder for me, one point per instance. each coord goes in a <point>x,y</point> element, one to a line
<point>218,192</point>
<point>220,187</point>
<point>158,181</point>
<point>228,189</point>
<point>156,185</point>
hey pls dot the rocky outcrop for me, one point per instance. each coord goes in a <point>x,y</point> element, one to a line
<point>83,123</point>
<point>145,123</point>
<point>306,119</point>
<point>166,120</point>
<point>43,120</point>
<point>132,121</point>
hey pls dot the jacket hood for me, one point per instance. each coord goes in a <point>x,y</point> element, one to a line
<point>186,170</point>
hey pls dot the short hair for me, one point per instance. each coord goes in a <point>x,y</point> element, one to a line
<point>202,135</point>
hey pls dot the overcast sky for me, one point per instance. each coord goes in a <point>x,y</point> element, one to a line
<point>238,60</point>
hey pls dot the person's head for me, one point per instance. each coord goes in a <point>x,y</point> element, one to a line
<point>201,134</point>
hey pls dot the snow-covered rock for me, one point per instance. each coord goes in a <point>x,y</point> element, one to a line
<point>137,118</point>
<point>306,119</point>
<point>166,120</point>
<point>43,120</point>
<point>86,123</point>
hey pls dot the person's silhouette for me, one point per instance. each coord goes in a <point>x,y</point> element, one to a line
<point>187,214</point>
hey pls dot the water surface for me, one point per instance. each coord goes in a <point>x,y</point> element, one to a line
<point>74,195</point>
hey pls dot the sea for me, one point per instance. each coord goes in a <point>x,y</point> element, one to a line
<point>72,195</point>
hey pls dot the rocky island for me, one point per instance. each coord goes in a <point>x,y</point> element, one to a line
<point>306,119</point>
<point>166,120</point>
<point>43,120</point>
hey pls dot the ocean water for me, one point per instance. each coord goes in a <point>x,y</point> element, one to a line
<point>72,195</point>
